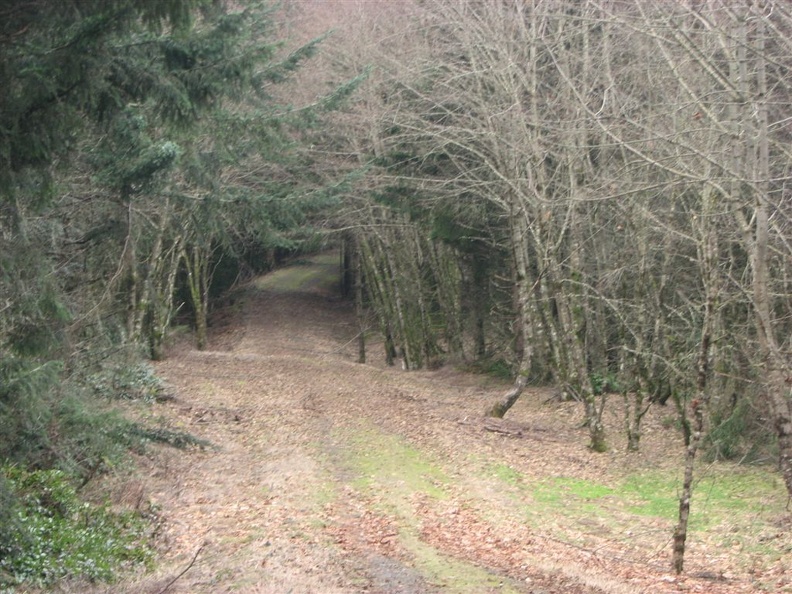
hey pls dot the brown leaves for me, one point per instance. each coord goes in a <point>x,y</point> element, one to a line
<point>460,532</point>
<point>365,531</point>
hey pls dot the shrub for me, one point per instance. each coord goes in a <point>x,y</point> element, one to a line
<point>739,433</point>
<point>48,534</point>
<point>604,383</point>
<point>128,382</point>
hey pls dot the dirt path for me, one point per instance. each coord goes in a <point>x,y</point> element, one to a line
<point>333,477</point>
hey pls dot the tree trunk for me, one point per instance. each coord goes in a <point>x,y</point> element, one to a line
<point>698,408</point>
<point>479,298</point>
<point>133,288</point>
<point>197,263</point>
<point>162,305</point>
<point>357,267</point>
<point>519,227</point>
<point>378,295</point>
<point>446,274</point>
<point>778,377</point>
<point>708,265</point>
<point>680,533</point>
<point>151,300</point>
<point>500,408</point>
<point>781,408</point>
<point>410,354</point>
<point>634,412</point>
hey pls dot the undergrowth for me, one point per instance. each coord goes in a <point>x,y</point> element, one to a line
<point>128,382</point>
<point>49,534</point>
<point>59,430</point>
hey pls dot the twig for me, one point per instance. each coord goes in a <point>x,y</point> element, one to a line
<point>185,570</point>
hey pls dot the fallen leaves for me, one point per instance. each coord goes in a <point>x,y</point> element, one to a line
<point>282,512</point>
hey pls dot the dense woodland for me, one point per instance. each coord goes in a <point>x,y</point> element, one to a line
<point>592,195</point>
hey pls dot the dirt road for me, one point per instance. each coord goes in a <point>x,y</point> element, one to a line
<point>328,476</point>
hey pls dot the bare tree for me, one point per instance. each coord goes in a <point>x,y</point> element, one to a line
<point>721,144</point>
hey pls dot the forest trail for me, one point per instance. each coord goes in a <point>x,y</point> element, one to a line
<point>328,476</point>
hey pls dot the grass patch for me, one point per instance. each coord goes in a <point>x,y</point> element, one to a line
<point>320,272</point>
<point>572,497</point>
<point>323,495</point>
<point>556,493</point>
<point>724,494</point>
<point>652,494</point>
<point>392,467</point>
<point>286,279</point>
<point>579,489</point>
<point>507,474</point>
<point>732,505</point>
<point>391,471</point>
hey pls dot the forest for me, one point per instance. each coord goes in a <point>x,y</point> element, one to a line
<point>588,195</point>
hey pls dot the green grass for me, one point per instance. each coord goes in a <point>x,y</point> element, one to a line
<point>320,272</point>
<point>571,497</point>
<point>652,494</point>
<point>732,506</point>
<point>507,474</point>
<point>722,494</point>
<point>451,575</point>
<point>582,490</point>
<point>726,498</point>
<point>388,464</point>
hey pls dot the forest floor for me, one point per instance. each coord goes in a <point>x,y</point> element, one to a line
<point>329,476</point>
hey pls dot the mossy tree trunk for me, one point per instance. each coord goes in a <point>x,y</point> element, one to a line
<point>356,264</point>
<point>379,297</point>
<point>698,407</point>
<point>162,306</point>
<point>152,280</point>
<point>524,316</point>
<point>197,260</point>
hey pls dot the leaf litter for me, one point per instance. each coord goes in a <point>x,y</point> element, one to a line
<point>300,495</point>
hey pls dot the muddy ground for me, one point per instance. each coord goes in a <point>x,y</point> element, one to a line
<point>328,476</point>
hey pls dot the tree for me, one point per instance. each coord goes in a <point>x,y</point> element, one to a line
<point>59,61</point>
<point>118,160</point>
<point>715,57</point>
<point>141,146</point>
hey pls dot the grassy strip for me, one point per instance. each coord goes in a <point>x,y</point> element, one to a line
<point>733,506</point>
<point>321,272</point>
<point>392,472</point>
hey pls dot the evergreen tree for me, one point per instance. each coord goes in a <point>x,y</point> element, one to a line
<point>59,64</point>
<point>141,146</point>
